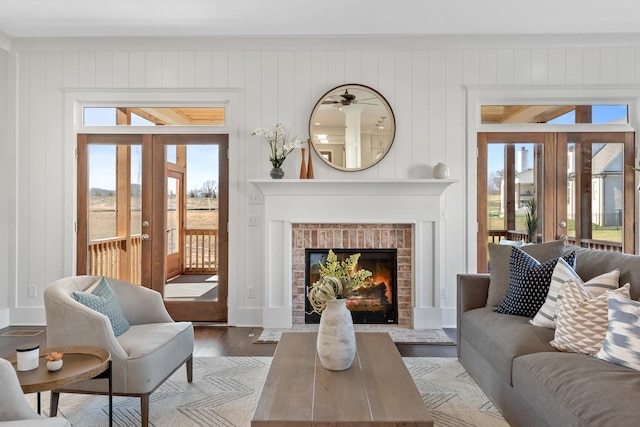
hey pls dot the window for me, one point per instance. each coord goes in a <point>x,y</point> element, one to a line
<point>555,114</point>
<point>153,116</point>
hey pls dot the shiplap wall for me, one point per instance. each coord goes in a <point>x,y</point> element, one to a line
<point>7,181</point>
<point>279,80</point>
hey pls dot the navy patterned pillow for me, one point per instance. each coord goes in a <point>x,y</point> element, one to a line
<point>103,300</point>
<point>529,283</point>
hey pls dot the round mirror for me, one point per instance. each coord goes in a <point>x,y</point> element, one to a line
<point>352,127</point>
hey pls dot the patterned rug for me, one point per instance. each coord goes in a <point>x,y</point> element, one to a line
<point>399,334</point>
<point>225,393</point>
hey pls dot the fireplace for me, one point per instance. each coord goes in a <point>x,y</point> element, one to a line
<point>406,214</point>
<point>374,303</point>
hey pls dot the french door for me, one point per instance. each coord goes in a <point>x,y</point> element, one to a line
<point>581,183</point>
<point>136,217</point>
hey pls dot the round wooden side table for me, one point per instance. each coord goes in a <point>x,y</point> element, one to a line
<point>80,364</point>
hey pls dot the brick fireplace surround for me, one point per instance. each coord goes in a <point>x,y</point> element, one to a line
<point>356,236</point>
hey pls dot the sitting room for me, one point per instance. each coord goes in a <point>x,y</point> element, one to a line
<point>266,213</point>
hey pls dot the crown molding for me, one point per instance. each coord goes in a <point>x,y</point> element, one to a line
<point>337,42</point>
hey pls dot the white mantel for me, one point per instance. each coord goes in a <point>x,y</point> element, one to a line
<point>414,201</point>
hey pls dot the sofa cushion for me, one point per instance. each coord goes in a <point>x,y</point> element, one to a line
<point>141,340</point>
<point>622,341</point>
<point>102,299</point>
<point>591,263</point>
<point>570,389</point>
<point>582,319</point>
<point>499,338</point>
<point>529,283</point>
<point>499,265</point>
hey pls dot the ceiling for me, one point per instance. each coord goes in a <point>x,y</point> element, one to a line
<point>78,18</point>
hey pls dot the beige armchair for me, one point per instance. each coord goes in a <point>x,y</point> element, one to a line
<point>143,357</point>
<point>15,411</point>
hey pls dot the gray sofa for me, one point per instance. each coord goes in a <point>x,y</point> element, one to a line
<point>532,383</point>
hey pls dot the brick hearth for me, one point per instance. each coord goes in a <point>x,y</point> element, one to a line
<point>356,236</point>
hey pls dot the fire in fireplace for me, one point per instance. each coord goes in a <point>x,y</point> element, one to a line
<point>375,303</point>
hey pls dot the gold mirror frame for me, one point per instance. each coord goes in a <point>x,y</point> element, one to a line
<point>358,108</point>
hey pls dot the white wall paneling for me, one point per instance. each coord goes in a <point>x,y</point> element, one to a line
<point>272,80</point>
<point>5,190</point>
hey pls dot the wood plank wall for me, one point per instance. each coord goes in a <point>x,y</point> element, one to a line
<point>281,80</point>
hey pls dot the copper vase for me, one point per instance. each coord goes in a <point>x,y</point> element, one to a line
<point>310,164</point>
<point>303,167</point>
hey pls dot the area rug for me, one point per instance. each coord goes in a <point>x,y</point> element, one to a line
<point>399,334</point>
<point>225,393</point>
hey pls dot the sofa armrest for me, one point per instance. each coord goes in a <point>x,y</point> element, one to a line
<point>473,291</point>
<point>70,323</point>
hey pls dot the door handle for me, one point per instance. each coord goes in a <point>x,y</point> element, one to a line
<point>144,236</point>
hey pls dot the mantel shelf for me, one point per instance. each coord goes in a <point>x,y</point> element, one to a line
<point>344,187</point>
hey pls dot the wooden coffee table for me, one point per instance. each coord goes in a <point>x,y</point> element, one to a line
<point>376,391</point>
<point>80,363</point>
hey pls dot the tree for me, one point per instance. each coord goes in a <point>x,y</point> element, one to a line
<point>495,181</point>
<point>209,189</point>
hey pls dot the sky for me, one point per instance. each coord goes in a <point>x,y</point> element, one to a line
<point>202,160</point>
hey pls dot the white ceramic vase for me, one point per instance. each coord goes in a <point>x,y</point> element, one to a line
<point>54,365</point>
<point>336,337</point>
<point>441,171</point>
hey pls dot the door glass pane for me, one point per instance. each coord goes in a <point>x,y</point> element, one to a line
<point>114,211</point>
<point>571,190</point>
<point>595,185</point>
<point>201,222</point>
<point>495,188</point>
<point>173,216</point>
<point>102,191</point>
<point>513,182</point>
<point>172,156</point>
<point>136,190</point>
<point>199,279</point>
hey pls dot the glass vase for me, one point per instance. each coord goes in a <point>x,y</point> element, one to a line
<point>276,173</point>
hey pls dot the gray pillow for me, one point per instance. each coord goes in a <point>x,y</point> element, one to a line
<point>499,265</point>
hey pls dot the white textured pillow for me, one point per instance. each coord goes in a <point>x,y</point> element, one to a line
<point>622,341</point>
<point>583,319</point>
<point>562,273</point>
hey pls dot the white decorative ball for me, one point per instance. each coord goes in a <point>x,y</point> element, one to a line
<point>441,171</point>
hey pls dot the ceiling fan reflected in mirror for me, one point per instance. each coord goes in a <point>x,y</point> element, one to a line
<point>346,98</point>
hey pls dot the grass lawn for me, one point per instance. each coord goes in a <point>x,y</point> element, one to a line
<point>497,222</point>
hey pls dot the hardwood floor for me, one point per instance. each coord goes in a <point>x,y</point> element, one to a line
<point>221,340</point>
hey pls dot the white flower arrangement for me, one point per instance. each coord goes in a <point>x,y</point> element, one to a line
<point>279,142</point>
